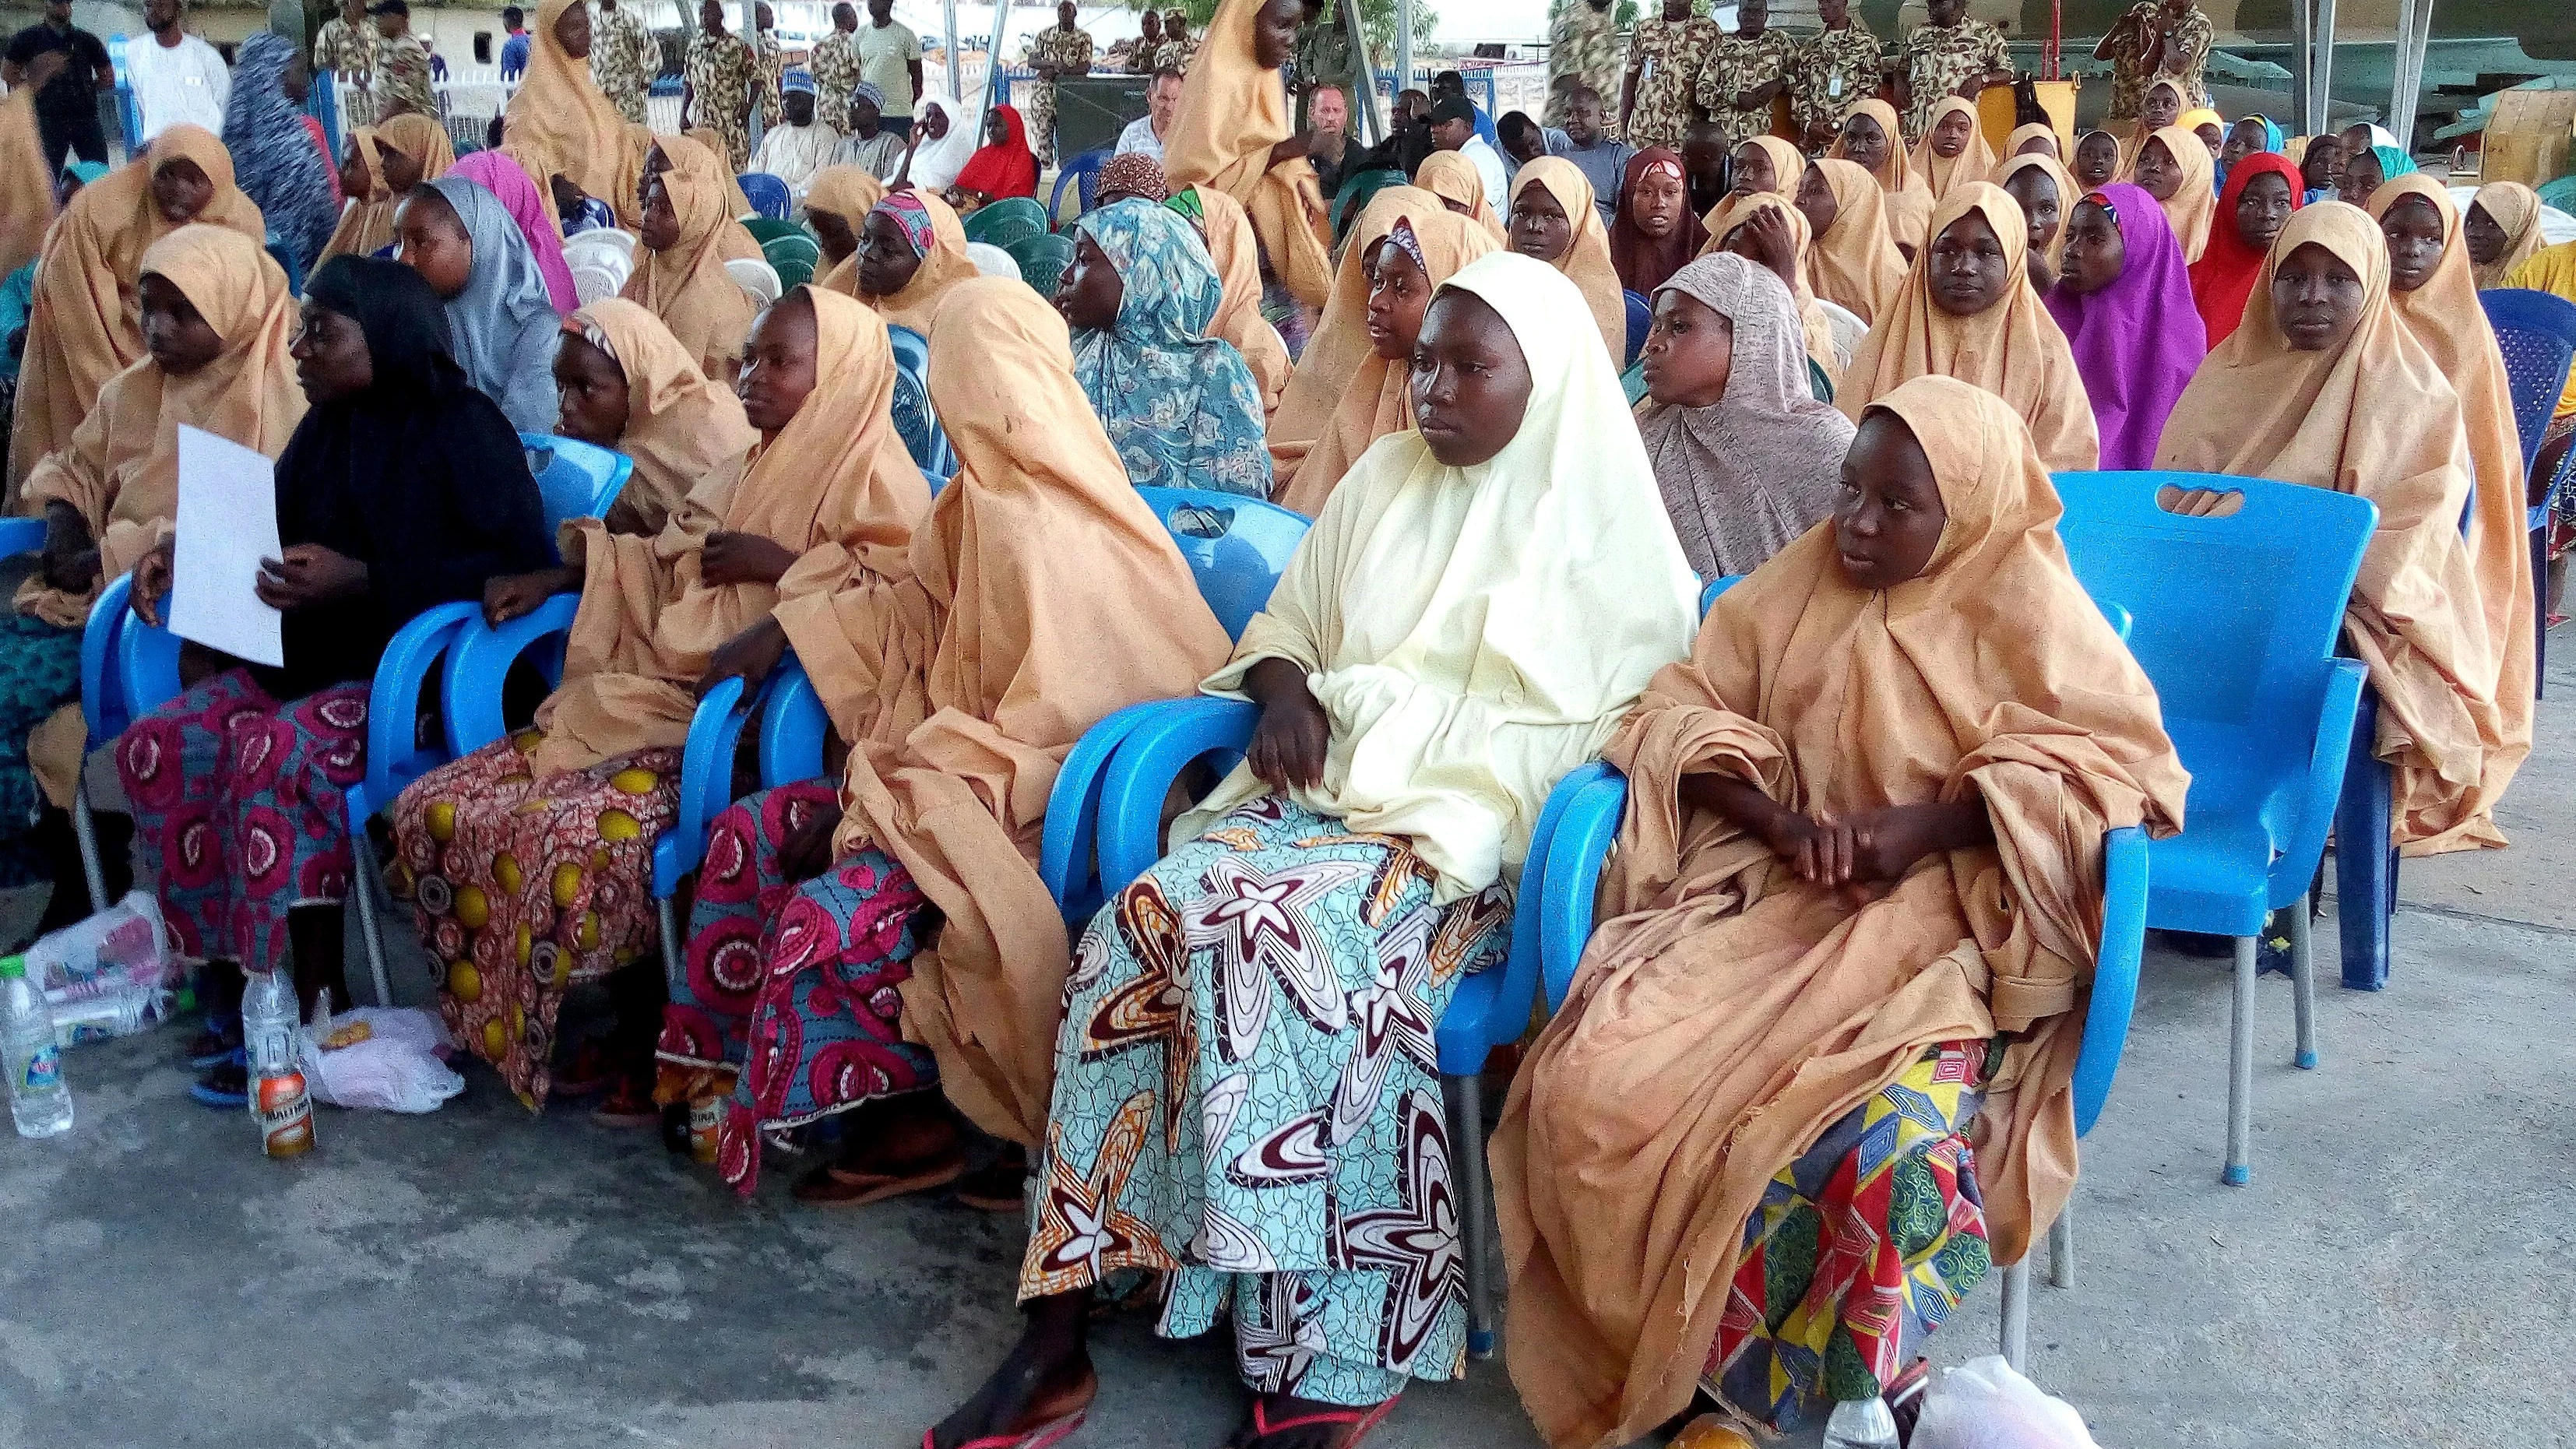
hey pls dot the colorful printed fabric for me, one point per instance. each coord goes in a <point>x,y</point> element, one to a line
<point>521,888</point>
<point>1736,64</point>
<point>1666,56</point>
<point>1181,406</point>
<point>799,981</point>
<point>908,213</point>
<point>1247,1098</point>
<point>39,673</point>
<point>403,78</point>
<point>1860,1248</point>
<point>834,64</point>
<point>240,798</point>
<point>624,59</point>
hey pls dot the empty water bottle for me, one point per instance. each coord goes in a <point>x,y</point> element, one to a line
<point>279,1101</point>
<point>39,1103</point>
<point>1861,1424</point>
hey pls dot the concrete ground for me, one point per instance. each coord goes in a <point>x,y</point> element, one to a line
<point>2394,1276</point>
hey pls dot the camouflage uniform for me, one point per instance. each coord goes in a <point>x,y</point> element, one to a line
<point>1851,57</point>
<point>834,64</point>
<point>1736,64</point>
<point>624,59</point>
<point>2130,78</point>
<point>1069,51</point>
<point>1584,43</point>
<point>351,51</point>
<point>1939,59</point>
<point>721,73</point>
<point>1667,56</point>
<point>771,63</point>
<point>1176,54</point>
<point>402,78</point>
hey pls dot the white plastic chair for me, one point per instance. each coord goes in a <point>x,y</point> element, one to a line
<point>992,261</point>
<point>755,276</point>
<point>1847,326</point>
<point>600,239</point>
<point>594,283</point>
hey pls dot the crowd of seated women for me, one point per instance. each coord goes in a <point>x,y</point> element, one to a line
<point>1857,889</point>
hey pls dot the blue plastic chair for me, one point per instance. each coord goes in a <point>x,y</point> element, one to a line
<point>1083,173</point>
<point>767,194</point>
<point>576,479</point>
<point>914,419</point>
<point>2238,618</point>
<point>2537,333</point>
<point>1641,318</point>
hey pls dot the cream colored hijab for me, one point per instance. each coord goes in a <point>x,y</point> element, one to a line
<point>28,193</point>
<point>2068,193</point>
<point>1788,163</point>
<point>121,469</point>
<point>1942,175</point>
<point>1454,179</point>
<point>1428,606</point>
<point>1855,263</point>
<point>687,286</point>
<point>1343,396</point>
<point>2035,131</point>
<point>2516,208</point>
<point>367,222</point>
<point>1586,261</point>
<point>560,121</point>
<point>2013,349</point>
<point>1232,112</point>
<point>2376,418</point>
<point>1227,229</point>
<point>2189,209</point>
<point>1908,198</point>
<point>684,430</point>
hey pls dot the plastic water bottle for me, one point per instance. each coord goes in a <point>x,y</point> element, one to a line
<point>39,1102</point>
<point>1861,1424</point>
<point>279,1101</point>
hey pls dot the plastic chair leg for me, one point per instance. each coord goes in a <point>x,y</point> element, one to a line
<point>1475,1193</point>
<point>671,972</point>
<point>2303,983</point>
<point>2540,616</point>
<point>364,888</point>
<point>2240,1069</point>
<point>85,832</point>
<point>2016,1335</point>
<point>2365,867</point>
<point>2061,1247</point>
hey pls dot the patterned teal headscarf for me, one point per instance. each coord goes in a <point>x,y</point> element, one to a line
<point>1180,406</point>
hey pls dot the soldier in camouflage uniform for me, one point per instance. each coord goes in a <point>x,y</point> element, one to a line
<point>2157,40</point>
<point>1837,66</point>
<point>1179,47</point>
<point>1062,49</point>
<point>1950,55</point>
<point>402,66</point>
<point>719,78</point>
<point>346,46</point>
<point>1743,73</point>
<point>1664,60</point>
<point>624,57</point>
<point>1583,47</point>
<point>834,65</point>
<point>770,60</point>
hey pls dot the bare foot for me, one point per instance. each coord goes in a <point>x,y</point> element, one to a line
<point>1047,1376</point>
<point>896,1139</point>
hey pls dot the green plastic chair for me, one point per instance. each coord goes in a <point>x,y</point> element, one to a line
<point>1633,383</point>
<point>1819,384</point>
<point>1007,221</point>
<point>1043,260</point>
<point>793,258</point>
<point>765,230</point>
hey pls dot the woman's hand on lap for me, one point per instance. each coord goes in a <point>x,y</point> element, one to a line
<point>743,558</point>
<point>748,656</point>
<point>1289,744</point>
<point>309,574</point>
<point>153,575</point>
<point>513,596</point>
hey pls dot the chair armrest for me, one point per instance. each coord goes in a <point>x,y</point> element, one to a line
<point>1493,1006</point>
<point>1158,747</point>
<point>793,724</point>
<point>21,535</point>
<point>394,758</point>
<point>2118,615</point>
<point>102,700</point>
<point>479,663</point>
<point>2337,716</point>
<point>1067,853</point>
<point>2115,971</point>
<point>1574,859</point>
<point>147,666</point>
<point>706,781</point>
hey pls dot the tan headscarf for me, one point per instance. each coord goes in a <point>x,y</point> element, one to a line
<point>2444,317</point>
<point>1586,261</point>
<point>87,326</point>
<point>1813,326</point>
<point>942,267</point>
<point>684,431</point>
<point>1454,179</point>
<point>1788,163</point>
<point>2013,349</point>
<point>1941,175</point>
<point>1232,112</point>
<point>121,469</point>
<point>1343,396</point>
<point>1237,253</point>
<point>2138,135</point>
<point>688,286</point>
<point>835,486</point>
<point>737,204</point>
<point>2516,208</point>
<point>560,121</point>
<point>1908,197</point>
<point>1041,596</point>
<point>847,192</point>
<point>2193,203</point>
<point>2377,418</point>
<point>2036,130</point>
<point>2068,193</point>
<point>1726,1013</point>
<point>367,222</point>
<point>26,192</point>
<point>1855,264</point>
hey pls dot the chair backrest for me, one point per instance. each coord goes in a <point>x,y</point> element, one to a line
<point>2537,333</point>
<point>2234,619</point>
<point>793,258</point>
<point>1043,260</point>
<point>913,418</point>
<point>1007,220</point>
<point>756,277</point>
<point>593,283</point>
<point>1237,547</point>
<point>576,479</point>
<point>1083,172</point>
<point>991,260</point>
<point>1641,317</point>
<point>600,239</point>
<point>1846,326</point>
<point>767,194</point>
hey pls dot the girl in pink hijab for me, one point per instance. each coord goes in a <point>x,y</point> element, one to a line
<point>519,197</point>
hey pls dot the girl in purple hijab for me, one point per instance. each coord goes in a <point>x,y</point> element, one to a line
<point>2124,302</point>
<point>518,195</point>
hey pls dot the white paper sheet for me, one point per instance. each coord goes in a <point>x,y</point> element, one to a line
<point>227,523</point>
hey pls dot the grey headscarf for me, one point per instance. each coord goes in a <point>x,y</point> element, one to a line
<point>503,323</point>
<point>1745,476</point>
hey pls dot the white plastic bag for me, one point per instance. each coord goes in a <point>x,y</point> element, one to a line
<point>1983,1404</point>
<point>111,975</point>
<point>396,1069</point>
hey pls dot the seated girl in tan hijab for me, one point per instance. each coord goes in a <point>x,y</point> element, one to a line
<point>1871,140</point>
<point>529,861</point>
<point>623,381</point>
<point>681,277</point>
<point>1852,259</point>
<point>560,124</point>
<point>912,249</point>
<point>381,166</point>
<point>866,949</point>
<point>2323,384</point>
<point>1555,220</point>
<point>1461,188</point>
<point>1857,895</point>
<point>1967,312</point>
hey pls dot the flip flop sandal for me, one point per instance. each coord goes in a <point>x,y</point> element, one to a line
<point>625,1109</point>
<point>216,1096</point>
<point>1041,1436</point>
<point>829,1188</point>
<point>985,1192</point>
<point>852,1177</point>
<point>208,1049</point>
<point>1360,1423</point>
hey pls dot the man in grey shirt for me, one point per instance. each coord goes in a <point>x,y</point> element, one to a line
<point>1602,161</point>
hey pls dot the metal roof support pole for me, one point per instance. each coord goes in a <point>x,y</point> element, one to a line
<point>2321,79</point>
<point>1403,45</point>
<point>1373,120</point>
<point>2303,56</point>
<point>2401,83</point>
<point>956,84</point>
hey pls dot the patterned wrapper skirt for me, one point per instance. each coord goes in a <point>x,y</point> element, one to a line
<point>1859,1250</point>
<point>789,1008</point>
<point>522,887</point>
<point>39,673</point>
<point>240,799</point>
<point>1247,1098</point>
